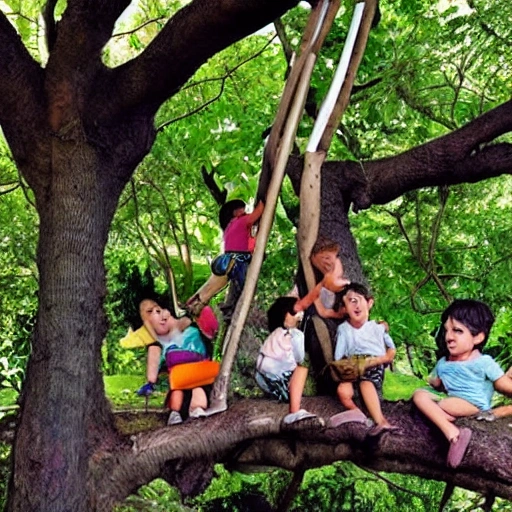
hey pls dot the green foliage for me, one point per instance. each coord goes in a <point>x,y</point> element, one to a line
<point>232,492</point>
<point>155,497</point>
<point>129,284</point>
<point>425,72</point>
<point>338,487</point>
<point>18,281</point>
<point>121,389</point>
<point>224,137</point>
<point>344,486</point>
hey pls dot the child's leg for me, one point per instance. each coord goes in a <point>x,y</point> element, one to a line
<point>199,399</point>
<point>345,393</point>
<point>442,412</point>
<point>175,404</point>
<point>176,400</point>
<point>153,363</point>
<point>236,285</point>
<point>209,289</point>
<point>502,411</point>
<point>296,387</point>
<point>372,402</point>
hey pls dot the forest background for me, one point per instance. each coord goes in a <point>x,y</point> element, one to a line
<point>445,64</point>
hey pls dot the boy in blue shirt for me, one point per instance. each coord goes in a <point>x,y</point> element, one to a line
<point>467,376</point>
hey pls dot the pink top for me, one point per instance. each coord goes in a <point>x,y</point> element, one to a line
<point>237,236</point>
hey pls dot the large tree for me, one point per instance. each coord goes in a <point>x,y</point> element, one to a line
<point>77,130</point>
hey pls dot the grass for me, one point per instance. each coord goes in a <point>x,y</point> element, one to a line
<point>121,391</point>
<point>398,386</point>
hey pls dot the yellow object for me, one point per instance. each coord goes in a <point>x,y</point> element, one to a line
<point>137,339</point>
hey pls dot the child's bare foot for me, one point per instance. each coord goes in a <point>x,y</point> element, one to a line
<point>458,447</point>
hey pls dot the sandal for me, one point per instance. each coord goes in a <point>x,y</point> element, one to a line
<point>351,416</point>
<point>458,448</point>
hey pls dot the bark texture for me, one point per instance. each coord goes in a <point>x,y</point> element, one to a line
<point>250,435</point>
<point>77,130</point>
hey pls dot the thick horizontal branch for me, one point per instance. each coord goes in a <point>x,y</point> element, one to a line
<point>250,433</point>
<point>193,35</point>
<point>462,156</point>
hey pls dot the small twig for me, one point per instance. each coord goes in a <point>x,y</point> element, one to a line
<point>128,32</point>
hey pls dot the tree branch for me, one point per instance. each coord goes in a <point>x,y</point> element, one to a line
<point>250,432</point>
<point>461,156</point>
<point>194,34</point>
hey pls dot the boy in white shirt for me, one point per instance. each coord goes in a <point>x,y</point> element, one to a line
<point>367,345</point>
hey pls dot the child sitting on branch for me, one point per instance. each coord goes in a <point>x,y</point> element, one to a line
<point>465,378</point>
<point>363,350</point>
<point>282,365</point>
<point>151,313</point>
<point>173,344</point>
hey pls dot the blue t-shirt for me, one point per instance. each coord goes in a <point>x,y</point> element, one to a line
<point>190,339</point>
<point>472,380</point>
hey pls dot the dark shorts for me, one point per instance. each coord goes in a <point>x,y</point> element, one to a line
<point>375,375</point>
<point>273,385</point>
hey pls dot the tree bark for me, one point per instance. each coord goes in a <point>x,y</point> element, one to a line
<point>250,434</point>
<point>77,131</point>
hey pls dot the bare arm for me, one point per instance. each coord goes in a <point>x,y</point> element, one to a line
<point>435,382</point>
<point>307,300</point>
<point>313,297</point>
<point>150,329</point>
<point>328,312</point>
<point>183,323</point>
<point>504,384</point>
<point>387,358</point>
<point>256,213</point>
<point>373,361</point>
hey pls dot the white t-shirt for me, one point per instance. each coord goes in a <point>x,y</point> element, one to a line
<point>370,339</point>
<point>281,351</point>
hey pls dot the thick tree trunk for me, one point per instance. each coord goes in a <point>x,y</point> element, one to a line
<point>64,412</point>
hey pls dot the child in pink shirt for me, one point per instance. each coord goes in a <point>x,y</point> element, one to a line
<point>232,265</point>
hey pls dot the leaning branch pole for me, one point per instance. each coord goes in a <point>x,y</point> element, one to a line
<point>328,119</point>
<point>293,105</point>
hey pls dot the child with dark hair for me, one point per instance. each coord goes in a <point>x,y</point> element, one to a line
<point>365,348</point>
<point>281,367</point>
<point>231,266</point>
<point>467,377</point>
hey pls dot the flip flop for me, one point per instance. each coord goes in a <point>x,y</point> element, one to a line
<point>458,448</point>
<point>300,415</point>
<point>377,430</point>
<point>351,416</point>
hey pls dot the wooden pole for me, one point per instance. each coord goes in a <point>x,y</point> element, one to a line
<point>331,111</point>
<point>276,155</point>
